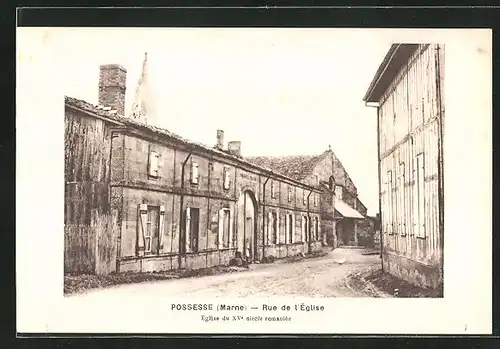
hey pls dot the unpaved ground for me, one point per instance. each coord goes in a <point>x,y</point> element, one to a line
<point>320,277</point>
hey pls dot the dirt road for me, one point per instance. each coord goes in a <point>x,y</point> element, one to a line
<point>318,277</point>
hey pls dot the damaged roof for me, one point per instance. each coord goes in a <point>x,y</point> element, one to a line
<point>298,167</point>
<point>120,120</point>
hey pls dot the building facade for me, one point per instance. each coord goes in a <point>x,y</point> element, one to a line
<point>140,198</point>
<point>340,206</point>
<point>407,91</point>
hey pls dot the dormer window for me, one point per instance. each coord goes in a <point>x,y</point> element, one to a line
<point>154,163</point>
<point>194,173</point>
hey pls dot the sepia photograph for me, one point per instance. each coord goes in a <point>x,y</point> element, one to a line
<point>234,164</point>
<point>143,202</point>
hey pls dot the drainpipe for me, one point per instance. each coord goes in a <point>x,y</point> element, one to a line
<point>182,228</point>
<point>264,216</point>
<point>308,224</point>
<point>379,181</point>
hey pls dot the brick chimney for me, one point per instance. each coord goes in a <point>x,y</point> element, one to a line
<point>220,140</point>
<point>112,84</point>
<point>234,148</point>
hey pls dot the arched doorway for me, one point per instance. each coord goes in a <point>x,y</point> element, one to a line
<point>247,225</point>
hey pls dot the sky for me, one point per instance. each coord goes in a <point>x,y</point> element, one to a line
<point>278,91</point>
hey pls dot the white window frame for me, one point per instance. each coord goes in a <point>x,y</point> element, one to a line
<point>154,164</point>
<point>195,173</point>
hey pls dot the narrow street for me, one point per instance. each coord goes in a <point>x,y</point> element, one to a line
<point>326,276</point>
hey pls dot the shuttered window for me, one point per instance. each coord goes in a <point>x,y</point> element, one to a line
<point>194,173</point>
<point>226,178</point>
<point>154,163</point>
<point>151,229</point>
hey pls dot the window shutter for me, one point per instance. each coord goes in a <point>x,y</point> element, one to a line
<point>287,228</point>
<point>293,228</point>
<point>269,227</point>
<point>226,178</point>
<point>231,242</point>
<point>153,163</point>
<point>161,227</point>
<point>194,173</point>
<point>143,219</point>
<point>221,229</point>
<point>278,226</point>
<point>188,228</point>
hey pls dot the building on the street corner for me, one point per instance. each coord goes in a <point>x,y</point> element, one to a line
<point>140,198</point>
<point>407,91</point>
<point>342,213</point>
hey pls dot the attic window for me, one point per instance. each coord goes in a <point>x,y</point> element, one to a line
<point>154,163</point>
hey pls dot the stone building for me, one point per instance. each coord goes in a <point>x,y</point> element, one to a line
<point>341,209</point>
<point>140,198</point>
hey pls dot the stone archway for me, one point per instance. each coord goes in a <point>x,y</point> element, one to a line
<point>247,225</point>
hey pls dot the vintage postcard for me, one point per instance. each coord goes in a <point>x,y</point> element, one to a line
<point>254,180</point>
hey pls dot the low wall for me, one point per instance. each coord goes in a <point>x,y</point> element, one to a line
<point>413,272</point>
<point>199,260</point>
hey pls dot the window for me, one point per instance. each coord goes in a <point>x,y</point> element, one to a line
<point>154,163</point>
<point>194,173</point>
<point>316,228</point>
<point>274,233</point>
<point>402,198</point>
<point>304,228</point>
<point>225,228</point>
<point>290,228</point>
<point>304,197</point>
<point>289,194</point>
<point>273,189</point>
<point>420,197</point>
<point>226,178</point>
<point>192,226</point>
<point>151,228</point>
<point>272,228</point>
<point>315,198</point>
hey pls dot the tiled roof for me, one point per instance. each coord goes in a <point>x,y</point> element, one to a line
<point>85,106</point>
<point>298,167</point>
